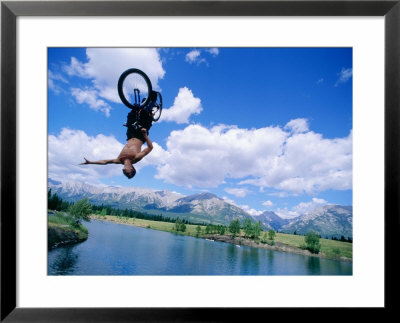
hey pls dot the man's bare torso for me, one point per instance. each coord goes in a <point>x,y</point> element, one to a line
<point>130,150</point>
<point>130,154</point>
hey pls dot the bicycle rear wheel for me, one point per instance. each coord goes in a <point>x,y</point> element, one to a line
<point>157,109</point>
<point>134,88</point>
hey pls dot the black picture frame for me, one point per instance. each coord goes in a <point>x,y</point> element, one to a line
<point>10,10</point>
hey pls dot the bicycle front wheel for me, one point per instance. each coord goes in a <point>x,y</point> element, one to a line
<point>134,88</point>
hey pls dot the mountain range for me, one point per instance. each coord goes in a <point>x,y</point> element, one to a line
<point>327,220</point>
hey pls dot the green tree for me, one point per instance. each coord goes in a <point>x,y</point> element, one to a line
<point>103,212</point>
<point>248,228</point>
<point>198,231</point>
<point>234,227</point>
<point>182,227</point>
<point>312,242</point>
<point>54,202</point>
<point>271,234</point>
<point>257,228</point>
<point>81,210</point>
<point>222,230</point>
<point>177,226</point>
<point>264,237</point>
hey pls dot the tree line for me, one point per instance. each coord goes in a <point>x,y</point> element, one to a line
<point>54,202</point>
<point>252,230</point>
<point>58,204</point>
<point>342,238</point>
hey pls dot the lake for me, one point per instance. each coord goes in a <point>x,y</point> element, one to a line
<point>117,249</point>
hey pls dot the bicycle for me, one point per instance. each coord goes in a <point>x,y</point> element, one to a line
<point>131,85</point>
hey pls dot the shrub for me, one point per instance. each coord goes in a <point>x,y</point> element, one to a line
<point>198,231</point>
<point>312,242</point>
<point>271,234</point>
<point>179,225</point>
<point>271,242</point>
<point>264,238</point>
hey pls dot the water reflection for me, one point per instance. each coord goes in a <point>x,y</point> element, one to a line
<point>269,264</point>
<point>64,261</point>
<point>249,261</point>
<point>314,266</point>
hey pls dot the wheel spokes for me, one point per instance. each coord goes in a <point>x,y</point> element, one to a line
<point>135,89</point>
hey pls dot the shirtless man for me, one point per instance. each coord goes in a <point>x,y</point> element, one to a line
<point>130,154</point>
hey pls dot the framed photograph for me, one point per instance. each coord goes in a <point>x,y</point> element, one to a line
<point>152,155</point>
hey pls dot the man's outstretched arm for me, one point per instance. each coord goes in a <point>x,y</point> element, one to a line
<point>101,162</point>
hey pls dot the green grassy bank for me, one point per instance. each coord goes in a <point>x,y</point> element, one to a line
<point>332,248</point>
<point>62,230</point>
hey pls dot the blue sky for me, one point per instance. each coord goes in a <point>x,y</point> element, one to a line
<point>264,128</point>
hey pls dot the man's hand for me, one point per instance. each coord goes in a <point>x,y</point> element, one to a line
<point>144,132</point>
<point>86,162</point>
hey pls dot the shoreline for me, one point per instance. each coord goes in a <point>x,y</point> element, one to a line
<point>238,241</point>
<point>279,246</point>
<point>62,235</point>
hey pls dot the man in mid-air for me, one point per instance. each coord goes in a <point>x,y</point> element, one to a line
<point>131,153</point>
<point>138,123</point>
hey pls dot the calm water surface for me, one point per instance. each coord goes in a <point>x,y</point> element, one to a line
<point>117,249</point>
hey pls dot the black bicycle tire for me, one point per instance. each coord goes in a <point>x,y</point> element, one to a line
<point>160,107</point>
<point>121,92</point>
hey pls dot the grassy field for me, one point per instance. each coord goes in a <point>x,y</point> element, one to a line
<point>156,225</point>
<point>332,248</point>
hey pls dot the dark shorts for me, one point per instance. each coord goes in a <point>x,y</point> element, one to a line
<point>135,133</point>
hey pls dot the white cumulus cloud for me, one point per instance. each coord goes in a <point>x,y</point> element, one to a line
<point>267,203</point>
<point>185,105</point>
<point>90,97</point>
<point>297,125</point>
<point>238,192</point>
<point>192,56</point>
<point>67,149</point>
<point>310,163</point>
<point>249,210</point>
<point>104,66</point>
<point>269,157</point>
<point>205,157</point>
